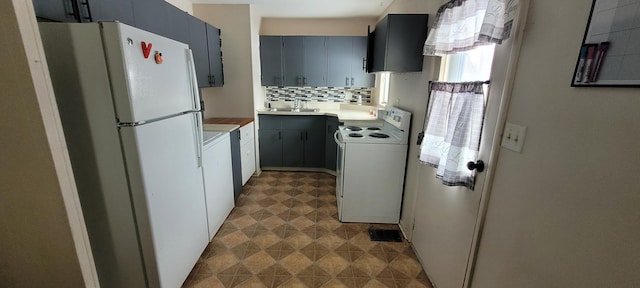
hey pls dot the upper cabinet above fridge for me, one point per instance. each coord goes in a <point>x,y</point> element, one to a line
<point>155,16</point>
<point>397,42</point>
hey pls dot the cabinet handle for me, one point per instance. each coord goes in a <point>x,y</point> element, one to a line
<point>306,136</point>
<point>302,136</point>
<point>75,10</point>
<point>304,80</point>
<point>364,64</point>
<point>88,9</point>
<point>347,83</point>
<point>351,81</point>
<point>279,135</point>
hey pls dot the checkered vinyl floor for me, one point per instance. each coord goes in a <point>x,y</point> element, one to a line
<point>284,232</point>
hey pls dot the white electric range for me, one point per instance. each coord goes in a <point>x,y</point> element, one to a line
<point>371,167</point>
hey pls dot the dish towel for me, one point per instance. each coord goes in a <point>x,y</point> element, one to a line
<point>452,136</point>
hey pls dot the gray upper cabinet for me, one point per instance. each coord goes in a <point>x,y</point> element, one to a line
<point>339,61</point>
<point>359,75</point>
<point>315,62</point>
<point>398,43</point>
<point>345,62</point>
<point>293,54</point>
<point>271,60</point>
<point>214,46</point>
<point>179,28</point>
<point>109,10</point>
<point>198,45</point>
<point>155,16</point>
<point>57,10</point>
<point>204,41</point>
<point>84,11</point>
<point>151,15</point>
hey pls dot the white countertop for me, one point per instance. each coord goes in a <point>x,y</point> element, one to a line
<point>220,127</point>
<point>342,114</point>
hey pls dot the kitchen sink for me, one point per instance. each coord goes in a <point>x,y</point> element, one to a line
<point>294,109</point>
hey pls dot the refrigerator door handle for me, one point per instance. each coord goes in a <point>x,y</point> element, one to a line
<point>199,137</point>
<point>194,81</point>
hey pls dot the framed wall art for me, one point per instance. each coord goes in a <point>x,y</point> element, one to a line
<point>610,50</point>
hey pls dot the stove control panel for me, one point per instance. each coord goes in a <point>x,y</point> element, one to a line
<point>399,118</point>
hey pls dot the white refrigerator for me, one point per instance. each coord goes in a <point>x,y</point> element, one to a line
<point>130,111</point>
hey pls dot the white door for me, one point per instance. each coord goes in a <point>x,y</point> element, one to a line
<point>167,189</point>
<point>144,89</point>
<point>448,219</point>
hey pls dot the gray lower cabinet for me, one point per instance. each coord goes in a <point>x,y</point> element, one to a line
<point>270,146</point>
<point>331,147</point>
<point>292,141</point>
<point>236,167</point>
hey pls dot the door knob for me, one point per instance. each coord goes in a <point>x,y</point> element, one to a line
<point>478,165</point>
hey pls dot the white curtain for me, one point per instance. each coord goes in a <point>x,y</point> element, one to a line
<point>452,136</point>
<point>461,25</point>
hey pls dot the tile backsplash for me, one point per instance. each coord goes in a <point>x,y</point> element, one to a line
<point>319,94</point>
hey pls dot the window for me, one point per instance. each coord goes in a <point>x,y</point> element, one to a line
<point>472,65</point>
<point>383,98</point>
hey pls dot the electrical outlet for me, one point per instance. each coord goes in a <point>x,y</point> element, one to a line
<point>513,137</point>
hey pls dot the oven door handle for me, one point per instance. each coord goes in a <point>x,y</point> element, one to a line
<point>335,138</point>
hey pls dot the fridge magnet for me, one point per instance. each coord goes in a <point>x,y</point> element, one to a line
<point>608,55</point>
<point>158,57</point>
<point>146,49</point>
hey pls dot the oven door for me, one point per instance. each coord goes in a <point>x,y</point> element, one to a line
<point>339,171</point>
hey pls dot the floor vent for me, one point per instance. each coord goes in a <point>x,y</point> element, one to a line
<point>385,235</point>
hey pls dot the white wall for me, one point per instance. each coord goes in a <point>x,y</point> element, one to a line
<point>44,242</point>
<point>565,212</point>
<point>409,91</point>
<point>235,98</point>
<point>185,5</point>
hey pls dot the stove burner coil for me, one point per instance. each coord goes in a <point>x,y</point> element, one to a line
<point>356,135</point>
<point>353,128</point>
<point>379,135</point>
<point>373,128</point>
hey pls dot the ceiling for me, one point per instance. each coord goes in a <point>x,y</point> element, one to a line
<point>311,8</point>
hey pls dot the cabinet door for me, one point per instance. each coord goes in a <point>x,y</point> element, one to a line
<point>248,160</point>
<point>198,45</point>
<point>293,60</point>
<point>314,142</point>
<point>150,15</point>
<point>271,60</point>
<point>215,56</point>
<point>270,148</point>
<point>331,148</point>
<point>293,148</point>
<point>110,10</point>
<point>359,75</point>
<point>380,46</point>
<point>236,163</point>
<point>179,28</point>
<point>315,61</point>
<point>56,10</point>
<point>338,61</point>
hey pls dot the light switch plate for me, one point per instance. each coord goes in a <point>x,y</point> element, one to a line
<point>513,137</point>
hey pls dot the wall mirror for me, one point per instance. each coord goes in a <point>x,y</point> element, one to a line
<point>610,51</point>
